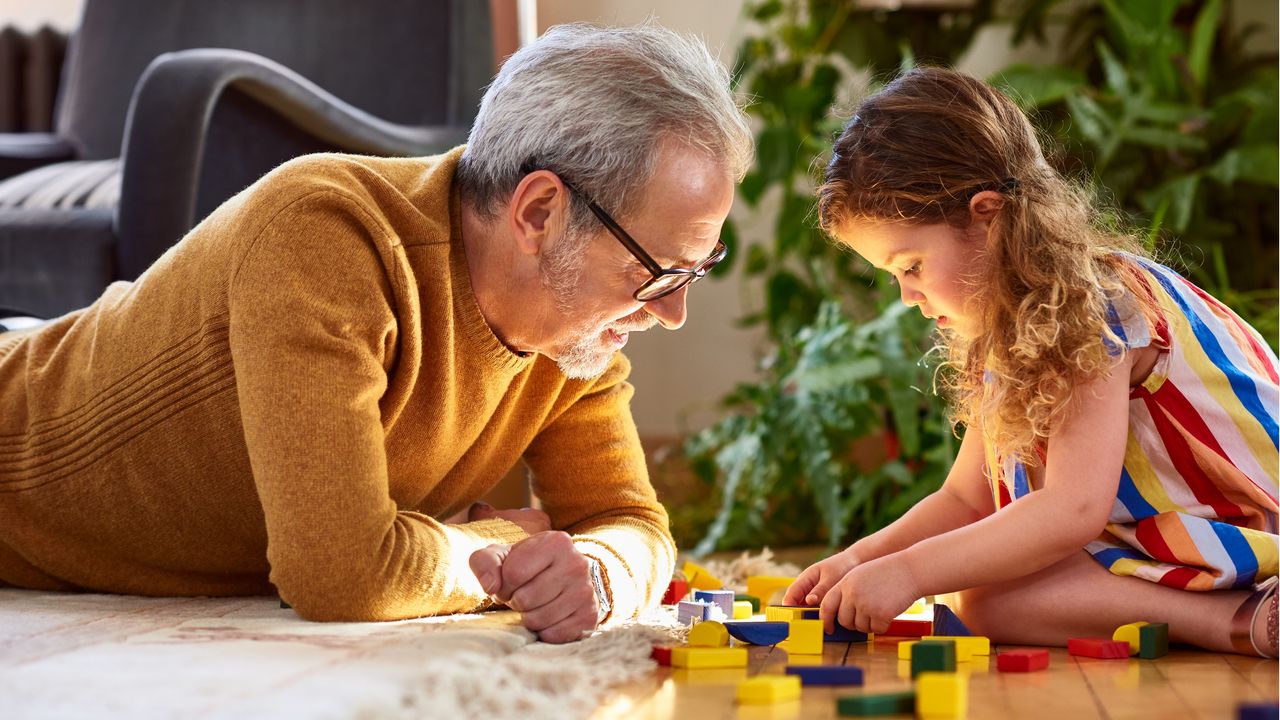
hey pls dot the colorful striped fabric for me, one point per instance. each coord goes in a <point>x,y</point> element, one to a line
<point>1196,506</point>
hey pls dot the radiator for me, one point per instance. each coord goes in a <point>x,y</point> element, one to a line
<point>30,66</point>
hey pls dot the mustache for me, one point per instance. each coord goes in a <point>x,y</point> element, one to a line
<point>638,322</point>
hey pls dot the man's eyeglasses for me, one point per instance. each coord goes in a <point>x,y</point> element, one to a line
<point>665,280</point>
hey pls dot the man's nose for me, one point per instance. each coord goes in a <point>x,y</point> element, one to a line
<point>670,311</point>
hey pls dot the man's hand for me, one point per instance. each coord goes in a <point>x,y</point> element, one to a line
<point>532,521</point>
<point>546,580</point>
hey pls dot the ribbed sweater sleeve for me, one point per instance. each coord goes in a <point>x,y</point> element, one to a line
<point>590,474</point>
<point>313,329</point>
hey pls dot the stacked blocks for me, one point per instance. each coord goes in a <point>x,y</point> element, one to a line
<point>946,623</point>
<point>805,638</point>
<point>941,695</point>
<point>722,599</point>
<point>676,591</point>
<point>697,657</point>
<point>933,656</point>
<point>751,599</point>
<point>699,578</point>
<point>708,634</point>
<point>764,586</point>
<point>759,633</point>
<point>1022,660</point>
<point>895,703</point>
<point>787,613</point>
<point>827,674</point>
<point>764,689</point>
<point>690,611</point>
<point>1098,648</point>
<point>910,628</point>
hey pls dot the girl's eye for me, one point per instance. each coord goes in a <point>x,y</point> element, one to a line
<point>913,270</point>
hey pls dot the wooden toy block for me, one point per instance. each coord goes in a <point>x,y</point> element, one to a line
<point>904,649</point>
<point>1153,641</point>
<point>1022,660</point>
<point>787,613</point>
<point>690,611</point>
<point>966,645</point>
<point>702,657</point>
<point>1128,633</point>
<point>661,654</point>
<point>827,674</point>
<point>933,656</point>
<point>1258,711</point>
<point>759,633</point>
<point>768,689</point>
<point>764,586</point>
<point>946,623</point>
<point>755,601</point>
<point>909,628</point>
<point>942,695</point>
<point>894,703</point>
<point>917,607</point>
<point>708,633</point>
<point>742,610</point>
<point>699,578</point>
<point>1098,648</point>
<point>844,634</point>
<point>676,591</point>
<point>805,638</point>
<point>722,599</point>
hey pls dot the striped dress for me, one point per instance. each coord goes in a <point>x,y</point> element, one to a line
<point>1196,505</point>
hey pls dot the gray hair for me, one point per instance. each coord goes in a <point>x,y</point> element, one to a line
<point>592,104</point>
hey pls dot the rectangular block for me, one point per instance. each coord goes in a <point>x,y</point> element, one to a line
<point>1022,660</point>
<point>942,695</point>
<point>768,689</point>
<point>827,674</point>
<point>722,599</point>
<point>752,599</point>
<point>805,638</point>
<point>741,610</point>
<point>966,645</point>
<point>1098,648</point>
<point>676,591</point>
<point>696,657</point>
<point>904,649</point>
<point>909,628</point>
<point>933,656</point>
<point>699,579</point>
<point>764,587</point>
<point>688,611</point>
<point>661,654</point>
<point>894,703</point>
<point>1153,641</point>
<point>844,634</point>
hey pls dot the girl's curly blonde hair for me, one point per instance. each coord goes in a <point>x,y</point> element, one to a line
<point>916,153</point>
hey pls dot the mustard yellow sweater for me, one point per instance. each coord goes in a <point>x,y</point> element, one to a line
<point>292,397</point>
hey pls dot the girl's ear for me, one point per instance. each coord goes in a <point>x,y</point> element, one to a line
<point>984,206</point>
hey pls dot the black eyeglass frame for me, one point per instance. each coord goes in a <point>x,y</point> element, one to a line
<point>692,275</point>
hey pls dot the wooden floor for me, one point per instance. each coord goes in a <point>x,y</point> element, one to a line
<point>1182,685</point>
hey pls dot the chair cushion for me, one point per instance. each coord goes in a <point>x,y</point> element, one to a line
<point>55,261</point>
<point>79,184</point>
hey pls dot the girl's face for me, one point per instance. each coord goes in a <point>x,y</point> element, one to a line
<point>937,267</point>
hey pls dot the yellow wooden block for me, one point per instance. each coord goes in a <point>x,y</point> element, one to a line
<point>904,649</point>
<point>709,633</point>
<point>942,695</point>
<point>765,689</point>
<point>1130,634</point>
<point>704,657</point>
<point>741,610</point>
<point>764,586</point>
<point>775,613</point>
<point>805,638</point>
<point>966,645</point>
<point>699,578</point>
<point>917,607</point>
<point>904,669</point>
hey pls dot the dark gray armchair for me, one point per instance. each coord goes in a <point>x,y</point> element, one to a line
<point>155,128</point>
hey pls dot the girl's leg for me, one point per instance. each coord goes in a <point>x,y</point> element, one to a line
<point>1077,597</point>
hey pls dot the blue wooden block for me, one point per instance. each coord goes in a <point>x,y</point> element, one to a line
<point>1256,711</point>
<point>689,610</point>
<point>759,633</point>
<point>827,674</point>
<point>946,623</point>
<point>844,634</point>
<point>721,598</point>
<point>810,612</point>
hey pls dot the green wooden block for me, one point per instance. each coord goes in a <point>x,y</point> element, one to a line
<point>1153,640</point>
<point>933,656</point>
<point>755,601</point>
<point>895,703</point>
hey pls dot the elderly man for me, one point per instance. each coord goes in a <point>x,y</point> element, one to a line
<point>351,351</point>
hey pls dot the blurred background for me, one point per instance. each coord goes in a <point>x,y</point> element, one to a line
<point>792,408</point>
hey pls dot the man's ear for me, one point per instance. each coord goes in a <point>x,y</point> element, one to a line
<point>985,205</point>
<point>538,209</point>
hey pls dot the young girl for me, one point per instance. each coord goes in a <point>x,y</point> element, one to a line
<point>1119,461</point>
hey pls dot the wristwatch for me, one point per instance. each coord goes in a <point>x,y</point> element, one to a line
<point>596,573</point>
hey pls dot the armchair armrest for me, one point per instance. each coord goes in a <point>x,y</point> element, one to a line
<point>20,152</point>
<point>167,137</point>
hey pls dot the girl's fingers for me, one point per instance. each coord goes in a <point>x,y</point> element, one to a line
<point>798,589</point>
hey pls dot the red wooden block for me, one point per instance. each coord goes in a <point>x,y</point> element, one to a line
<point>661,655</point>
<point>1098,648</point>
<point>1022,660</point>
<point>909,628</point>
<point>675,592</point>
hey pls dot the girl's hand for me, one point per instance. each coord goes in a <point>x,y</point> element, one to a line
<point>870,595</point>
<point>817,579</point>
